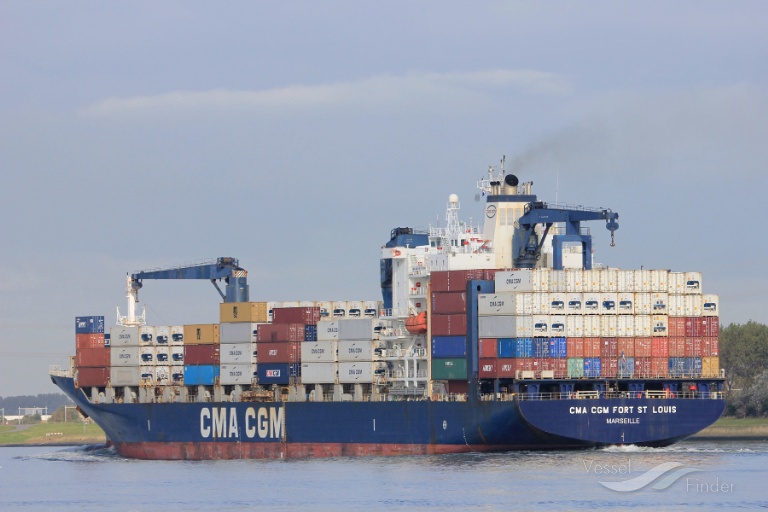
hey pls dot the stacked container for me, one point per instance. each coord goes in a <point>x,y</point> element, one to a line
<point>201,354</point>
<point>92,353</point>
<point>279,343</point>
<point>125,358</point>
<point>359,351</point>
<point>238,333</point>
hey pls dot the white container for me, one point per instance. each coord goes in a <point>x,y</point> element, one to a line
<point>540,279</point>
<point>557,326</point>
<point>609,280</point>
<point>693,304</point>
<point>710,305</point>
<point>124,376</point>
<point>541,325</point>
<point>122,336</point>
<point>326,308</point>
<point>626,303</point>
<point>177,335</point>
<point>371,309</point>
<point>147,375</point>
<point>339,309</point>
<point>676,283</point>
<point>557,303</point>
<point>693,283</point>
<point>360,350</point>
<point>643,326</point>
<point>505,303</point>
<point>177,375</point>
<point>591,303</point>
<point>609,303</point>
<point>146,335</point>
<point>659,303</point>
<point>659,281</point>
<point>271,305</point>
<point>357,328</point>
<point>327,330</point>
<point>289,304</point>
<point>609,326</point>
<point>162,335</point>
<point>162,355</point>
<point>147,356</point>
<point>643,303</point>
<point>558,281</point>
<point>355,309</point>
<point>360,371</point>
<point>319,352</point>
<point>319,373</point>
<point>232,374</point>
<point>540,303</point>
<point>235,353</point>
<point>514,281</point>
<point>574,326</point>
<point>592,280</point>
<point>626,281</point>
<point>254,372</point>
<point>177,356</point>
<point>574,281</point>
<point>642,281</point>
<point>124,356</point>
<point>238,332</point>
<point>162,375</point>
<point>625,325</point>
<point>592,326</point>
<point>506,326</point>
<point>574,303</point>
<point>676,305</point>
<point>659,325</point>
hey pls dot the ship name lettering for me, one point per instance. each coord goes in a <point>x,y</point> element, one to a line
<point>599,410</point>
<point>578,410</point>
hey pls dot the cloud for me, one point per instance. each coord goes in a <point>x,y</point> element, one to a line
<point>384,89</point>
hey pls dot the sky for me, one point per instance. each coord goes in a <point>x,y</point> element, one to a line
<point>295,135</point>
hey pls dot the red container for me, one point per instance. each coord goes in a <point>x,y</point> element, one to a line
<point>489,274</point>
<point>643,367</point>
<point>449,325</point>
<point>659,347</point>
<point>281,332</point>
<point>448,303</point>
<point>296,315</point>
<point>92,377</point>
<point>89,341</point>
<point>693,347</point>
<point>676,347</point>
<point>488,368</point>
<point>609,349</point>
<point>488,347</point>
<point>284,352</point>
<point>710,347</point>
<point>560,367</point>
<point>592,347</point>
<point>711,326</point>
<point>458,386</point>
<point>698,326</point>
<point>609,367</point>
<point>644,347</point>
<point>627,347</point>
<point>676,326</point>
<point>506,368</point>
<point>690,325</point>
<point>574,347</point>
<point>92,357</point>
<point>454,280</point>
<point>524,364</point>
<point>201,354</point>
<point>659,366</point>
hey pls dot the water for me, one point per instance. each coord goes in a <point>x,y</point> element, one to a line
<point>76,478</point>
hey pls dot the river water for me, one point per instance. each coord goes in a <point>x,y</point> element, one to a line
<point>700,475</point>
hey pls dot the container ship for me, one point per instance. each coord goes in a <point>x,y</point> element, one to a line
<point>495,337</point>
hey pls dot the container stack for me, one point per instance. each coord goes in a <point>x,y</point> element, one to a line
<point>320,357</point>
<point>279,343</point>
<point>125,358</point>
<point>359,351</point>
<point>201,354</point>
<point>91,352</point>
<point>238,334</point>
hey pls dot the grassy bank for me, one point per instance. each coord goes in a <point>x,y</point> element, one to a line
<point>52,433</point>
<point>736,428</point>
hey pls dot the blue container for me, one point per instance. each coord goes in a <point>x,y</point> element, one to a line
<point>201,375</point>
<point>540,348</point>
<point>692,366</point>
<point>676,366</point>
<point>507,347</point>
<point>524,347</point>
<point>558,347</point>
<point>107,340</point>
<point>592,366</point>
<point>449,346</point>
<point>626,366</point>
<point>277,373</point>
<point>310,333</point>
<point>89,324</point>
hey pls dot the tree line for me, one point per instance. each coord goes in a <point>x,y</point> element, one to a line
<point>744,356</point>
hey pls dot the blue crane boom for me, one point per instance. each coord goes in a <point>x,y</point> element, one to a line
<point>225,268</point>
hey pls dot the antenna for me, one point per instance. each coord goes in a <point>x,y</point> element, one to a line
<point>557,185</point>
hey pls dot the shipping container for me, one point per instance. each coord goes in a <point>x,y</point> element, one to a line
<point>575,367</point>
<point>249,312</point>
<point>558,281</point>
<point>644,346</point>
<point>693,283</point>
<point>676,326</point>
<point>659,281</point>
<point>320,372</point>
<point>642,281</point>
<point>710,305</point>
<point>163,335</point>
<point>177,335</point>
<point>162,355</point>
<point>557,301</point>
<point>625,325</point>
<point>487,368</point>
<point>711,326</point>
<point>591,303</point>
<point>275,333</point>
<point>449,369</point>
<point>659,325</point>
<point>365,328</point>
<point>627,347</point>
<point>201,334</point>
<point>147,335</point>
<point>310,333</point>
<point>626,303</point>
<point>506,368</point>
<point>609,368</point>
<point>693,305</point>
<point>320,352</point>
<point>147,356</point>
<point>676,283</point>
<point>557,325</point>
<point>660,347</point>
<point>626,367</point>
<point>609,280</point>
<point>278,373</point>
<point>89,340</point>
<point>609,326</point>
<point>201,355</point>
<point>593,346</point>
<point>162,375</point>
<point>124,375</point>
<point>609,303</point>
<point>643,367</point>
<point>505,303</point>
<point>676,305</point>
<point>591,283</point>
<point>626,281</point>
<point>540,348</point>
<point>362,372</point>
<point>238,332</point>
<point>677,346</point>
<point>448,303</point>
<point>454,280</point>
<point>89,325</point>
<point>360,350</point>
<point>512,280</point>
<point>92,377</point>
<point>573,303</point>
<point>592,367</point>
<point>575,347</point>
<point>449,346</point>
<point>574,326</point>
<point>659,366</point>
<point>593,326</point>
<point>643,304</point>
<point>489,347</point>
<point>507,348</point>
<point>540,303</point>
<point>296,315</point>
<point>506,326</point>
<point>235,353</point>
<point>710,347</point>
<point>558,347</point>
<point>540,325</point>
<point>609,348</point>
<point>710,366</point>
<point>177,356</point>
<point>328,330</point>
<point>574,280</point>
<point>523,348</point>
<point>281,352</point>
<point>122,336</point>
<point>235,374</point>
<point>124,356</point>
<point>201,375</point>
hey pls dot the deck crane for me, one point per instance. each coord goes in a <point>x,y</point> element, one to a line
<point>225,268</point>
<point>526,245</point>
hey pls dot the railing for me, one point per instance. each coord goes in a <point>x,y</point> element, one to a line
<point>593,395</point>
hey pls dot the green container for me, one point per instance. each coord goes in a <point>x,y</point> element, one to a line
<point>575,367</point>
<point>449,369</point>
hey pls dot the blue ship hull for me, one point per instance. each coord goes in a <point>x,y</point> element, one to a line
<point>210,430</point>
